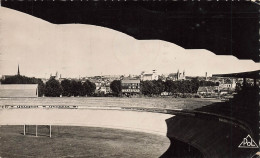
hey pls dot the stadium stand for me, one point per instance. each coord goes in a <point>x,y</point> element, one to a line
<point>18,90</point>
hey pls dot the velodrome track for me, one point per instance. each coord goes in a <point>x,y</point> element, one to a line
<point>211,134</point>
<point>110,118</point>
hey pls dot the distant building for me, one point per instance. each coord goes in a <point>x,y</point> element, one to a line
<point>172,76</point>
<point>130,86</point>
<point>149,76</point>
<point>208,90</point>
<point>56,76</point>
<point>177,76</point>
<point>181,76</point>
<point>44,80</point>
<point>18,90</point>
<point>98,84</point>
<point>108,90</point>
<point>6,76</point>
<point>110,78</point>
<point>104,89</point>
<point>228,83</point>
<point>61,79</point>
<point>163,77</point>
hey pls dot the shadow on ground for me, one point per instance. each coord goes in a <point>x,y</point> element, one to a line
<point>216,130</point>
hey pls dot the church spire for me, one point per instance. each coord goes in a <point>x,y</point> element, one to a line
<point>18,73</point>
<point>178,73</point>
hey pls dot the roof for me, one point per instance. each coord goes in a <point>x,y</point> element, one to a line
<point>244,43</point>
<point>130,81</point>
<point>248,74</point>
<point>18,86</point>
<point>8,75</point>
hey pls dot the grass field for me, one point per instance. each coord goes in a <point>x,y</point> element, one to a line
<point>75,141</point>
<point>163,103</point>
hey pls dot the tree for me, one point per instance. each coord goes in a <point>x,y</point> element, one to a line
<point>66,87</point>
<point>238,87</point>
<point>207,83</point>
<point>80,88</point>
<point>177,87</point>
<point>89,88</point>
<point>172,86</point>
<point>147,87</point>
<point>168,84</point>
<point>76,88</point>
<point>159,86</point>
<point>155,87</point>
<point>53,88</point>
<point>116,87</point>
<point>195,85</point>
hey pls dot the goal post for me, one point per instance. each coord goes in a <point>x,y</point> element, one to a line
<point>37,130</point>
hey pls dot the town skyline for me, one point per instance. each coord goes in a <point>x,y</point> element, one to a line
<point>85,50</point>
<point>58,75</point>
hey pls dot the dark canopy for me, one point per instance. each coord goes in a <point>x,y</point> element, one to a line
<point>225,28</point>
<point>249,74</point>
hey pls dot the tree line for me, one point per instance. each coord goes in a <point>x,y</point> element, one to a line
<point>53,88</point>
<point>156,87</point>
<point>69,88</point>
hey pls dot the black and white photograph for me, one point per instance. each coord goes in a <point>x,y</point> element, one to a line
<point>121,79</point>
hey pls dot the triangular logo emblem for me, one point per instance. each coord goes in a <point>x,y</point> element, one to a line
<point>248,142</point>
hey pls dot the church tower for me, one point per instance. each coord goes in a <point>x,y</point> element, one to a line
<point>178,73</point>
<point>18,72</point>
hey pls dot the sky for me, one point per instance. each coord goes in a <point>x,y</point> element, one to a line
<point>42,48</point>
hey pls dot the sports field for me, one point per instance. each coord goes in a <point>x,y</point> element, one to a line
<point>75,141</point>
<point>89,132</point>
<point>162,103</point>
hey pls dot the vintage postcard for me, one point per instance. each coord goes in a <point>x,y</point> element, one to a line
<point>170,79</point>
